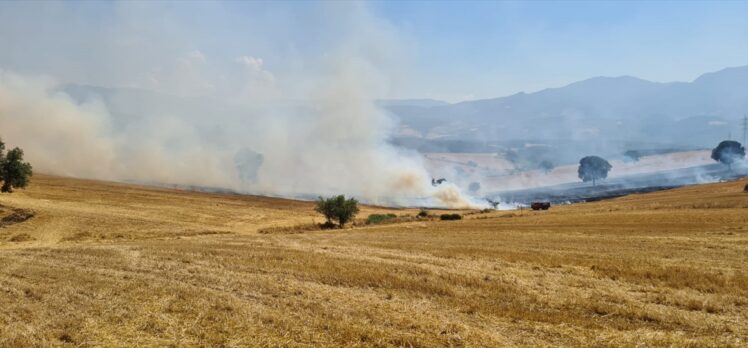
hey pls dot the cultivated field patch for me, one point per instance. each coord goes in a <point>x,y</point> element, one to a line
<point>659,269</point>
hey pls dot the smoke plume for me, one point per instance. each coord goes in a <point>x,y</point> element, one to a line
<point>307,127</point>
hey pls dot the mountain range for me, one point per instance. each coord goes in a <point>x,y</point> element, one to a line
<point>600,110</point>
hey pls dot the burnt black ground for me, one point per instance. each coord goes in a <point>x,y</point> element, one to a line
<point>620,186</point>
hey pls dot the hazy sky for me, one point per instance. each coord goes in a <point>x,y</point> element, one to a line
<point>487,49</point>
<point>444,50</point>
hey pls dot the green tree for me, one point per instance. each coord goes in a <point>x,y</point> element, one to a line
<point>592,168</point>
<point>2,155</point>
<point>337,208</point>
<point>14,171</point>
<point>728,152</point>
<point>474,187</point>
<point>546,166</point>
<point>632,156</point>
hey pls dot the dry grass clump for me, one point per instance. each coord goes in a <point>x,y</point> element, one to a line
<point>77,237</point>
<point>387,219</point>
<point>371,220</point>
<point>290,229</point>
<point>21,237</point>
<point>605,274</point>
<point>16,216</point>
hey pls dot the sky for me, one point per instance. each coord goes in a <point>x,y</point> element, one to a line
<point>444,50</point>
<point>486,49</point>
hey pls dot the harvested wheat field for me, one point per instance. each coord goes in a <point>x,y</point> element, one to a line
<point>86,263</point>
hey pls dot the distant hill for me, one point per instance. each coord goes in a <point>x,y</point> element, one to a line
<point>423,103</point>
<point>597,110</point>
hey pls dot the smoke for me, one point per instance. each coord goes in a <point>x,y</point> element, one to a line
<point>307,127</point>
<point>61,136</point>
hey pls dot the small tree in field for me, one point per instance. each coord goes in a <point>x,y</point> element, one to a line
<point>593,168</point>
<point>632,156</point>
<point>337,208</point>
<point>728,152</point>
<point>546,166</point>
<point>14,172</point>
<point>474,187</point>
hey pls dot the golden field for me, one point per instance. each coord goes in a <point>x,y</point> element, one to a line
<point>116,265</point>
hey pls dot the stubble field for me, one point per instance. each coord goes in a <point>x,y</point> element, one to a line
<point>103,264</point>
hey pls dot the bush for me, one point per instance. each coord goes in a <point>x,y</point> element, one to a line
<point>423,213</point>
<point>337,208</point>
<point>745,189</point>
<point>450,217</point>
<point>379,218</point>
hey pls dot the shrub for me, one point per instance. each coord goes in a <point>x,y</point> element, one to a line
<point>745,189</point>
<point>423,213</point>
<point>451,217</point>
<point>337,208</point>
<point>379,218</point>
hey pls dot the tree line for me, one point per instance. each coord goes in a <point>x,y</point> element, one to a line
<point>593,168</point>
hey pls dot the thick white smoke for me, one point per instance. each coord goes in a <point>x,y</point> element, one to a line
<point>303,132</point>
<point>335,143</point>
<point>61,136</point>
